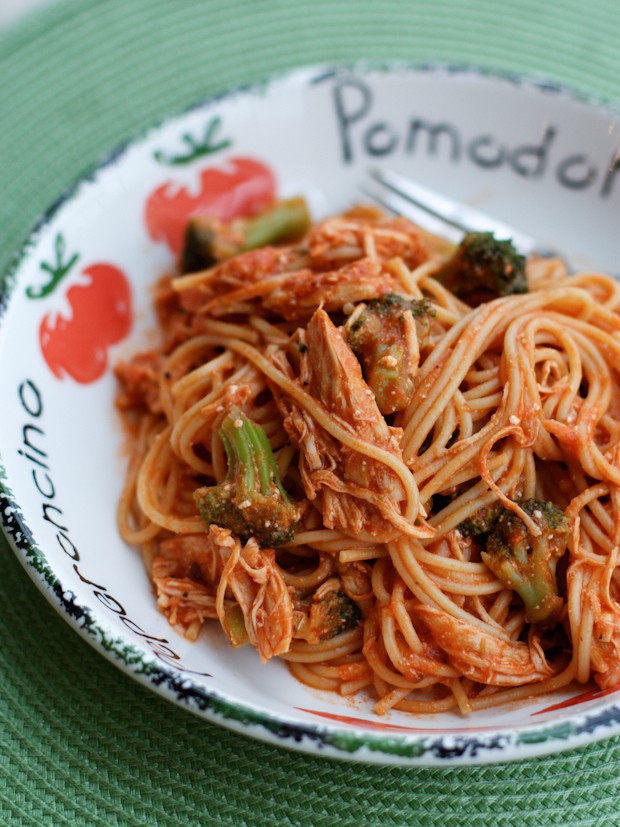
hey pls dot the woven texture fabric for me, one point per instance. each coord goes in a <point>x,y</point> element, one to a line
<point>80,743</point>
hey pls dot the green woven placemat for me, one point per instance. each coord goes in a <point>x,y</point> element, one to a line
<point>80,743</point>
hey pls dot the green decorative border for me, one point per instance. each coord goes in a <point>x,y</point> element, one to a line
<point>442,749</point>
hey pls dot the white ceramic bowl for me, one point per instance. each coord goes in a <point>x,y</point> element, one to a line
<point>532,154</point>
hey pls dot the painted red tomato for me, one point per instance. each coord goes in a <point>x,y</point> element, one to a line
<point>239,187</point>
<point>101,316</point>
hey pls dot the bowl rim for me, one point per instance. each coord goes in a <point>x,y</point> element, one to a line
<point>494,744</point>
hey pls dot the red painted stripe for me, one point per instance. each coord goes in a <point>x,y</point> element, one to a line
<point>364,724</point>
<point>582,698</point>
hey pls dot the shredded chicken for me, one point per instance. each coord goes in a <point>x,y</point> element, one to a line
<point>354,492</point>
<point>257,584</point>
<point>299,295</point>
<point>482,656</point>
<point>186,572</point>
<point>365,231</point>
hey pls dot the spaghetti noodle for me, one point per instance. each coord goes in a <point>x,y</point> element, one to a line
<point>403,425</point>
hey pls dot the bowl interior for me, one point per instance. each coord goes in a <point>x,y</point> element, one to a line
<point>532,155</point>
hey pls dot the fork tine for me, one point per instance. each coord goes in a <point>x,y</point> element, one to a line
<point>458,217</point>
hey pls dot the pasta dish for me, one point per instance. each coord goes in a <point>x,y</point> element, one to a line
<point>390,461</point>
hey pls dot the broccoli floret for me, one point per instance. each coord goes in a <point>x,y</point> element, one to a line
<point>333,614</point>
<point>480,523</point>
<point>483,268</point>
<point>527,563</point>
<point>383,337</point>
<point>208,241</point>
<point>251,500</point>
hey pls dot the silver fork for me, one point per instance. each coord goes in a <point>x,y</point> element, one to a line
<point>442,215</point>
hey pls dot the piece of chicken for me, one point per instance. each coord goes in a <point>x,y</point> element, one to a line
<point>605,649</point>
<point>185,574</point>
<point>365,231</point>
<point>200,576</point>
<point>257,584</point>
<point>596,593</point>
<point>300,294</point>
<point>197,289</point>
<point>482,656</point>
<point>355,492</point>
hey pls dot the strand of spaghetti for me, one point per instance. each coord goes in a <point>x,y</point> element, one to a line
<point>460,696</point>
<point>269,332</point>
<point>187,426</point>
<point>441,296</point>
<point>331,649</point>
<point>460,459</point>
<point>429,707</point>
<point>307,580</point>
<point>532,329</point>
<point>355,555</point>
<point>501,605</point>
<point>443,433</point>
<point>383,671</point>
<point>462,508</point>
<point>529,476</point>
<point>187,353</point>
<point>466,586</point>
<point>532,690</point>
<point>353,687</point>
<point>532,527</point>
<point>195,382</point>
<point>460,348</point>
<point>477,608</point>
<point>445,309</point>
<point>615,502</point>
<point>318,413</point>
<point>382,593</point>
<point>605,290</point>
<point>612,561</point>
<point>420,584</point>
<point>463,410</point>
<point>307,674</point>
<point>402,618</point>
<point>600,325</point>
<point>326,538</point>
<point>264,287</point>
<point>179,361</point>
<point>603,541</point>
<point>581,615</point>
<point>390,700</point>
<point>154,468</point>
<point>216,327</point>
<point>464,567</point>
<point>126,501</point>
<point>222,586</point>
<point>461,465</point>
<point>582,648</point>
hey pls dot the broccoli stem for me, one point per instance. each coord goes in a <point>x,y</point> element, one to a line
<point>243,459</point>
<point>234,625</point>
<point>209,241</point>
<point>534,582</point>
<point>251,500</point>
<point>286,219</point>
